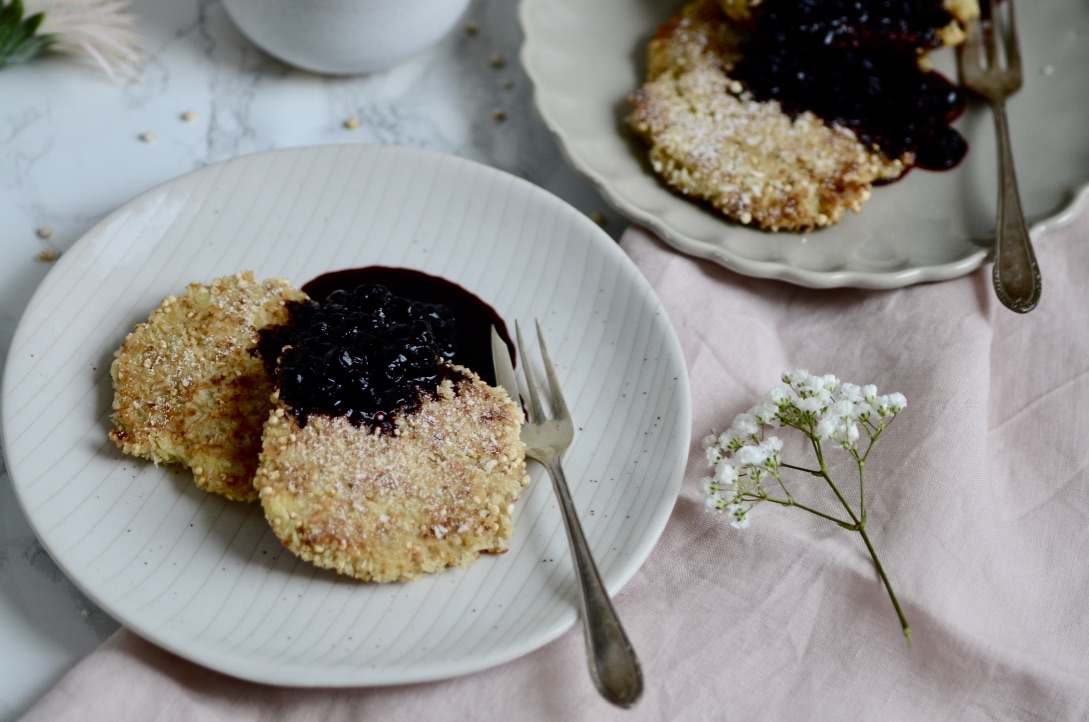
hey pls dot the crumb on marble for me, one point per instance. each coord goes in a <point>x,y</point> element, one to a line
<point>599,218</point>
<point>499,115</point>
<point>472,28</point>
<point>497,60</point>
<point>44,232</point>
<point>352,122</point>
<point>188,116</point>
<point>148,137</point>
<point>47,256</point>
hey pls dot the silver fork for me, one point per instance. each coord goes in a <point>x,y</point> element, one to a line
<point>1016,276</point>
<point>614,667</point>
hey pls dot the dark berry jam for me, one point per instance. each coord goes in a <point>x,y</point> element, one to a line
<point>363,351</point>
<point>854,63</point>
<point>466,338</point>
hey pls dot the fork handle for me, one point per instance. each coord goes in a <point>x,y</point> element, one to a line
<point>614,667</point>
<point>1016,276</point>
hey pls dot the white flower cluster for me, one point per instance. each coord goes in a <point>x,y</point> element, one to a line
<point>831,409</point>
<point>821,407</point>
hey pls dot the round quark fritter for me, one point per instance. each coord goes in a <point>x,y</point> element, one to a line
<point>378,506</point>
<point>187,388</point>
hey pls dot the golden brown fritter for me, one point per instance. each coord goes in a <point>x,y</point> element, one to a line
<point>382,507</point>
<point>709,139</point>
<point>188,390</point>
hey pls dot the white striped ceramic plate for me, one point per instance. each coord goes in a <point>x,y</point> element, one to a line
<point>204,577</point>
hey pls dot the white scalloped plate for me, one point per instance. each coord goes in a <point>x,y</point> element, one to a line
<point>204,577</point>
<point>585,58</point>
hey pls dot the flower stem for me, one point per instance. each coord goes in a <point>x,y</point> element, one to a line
<point>860,527</point>
<point>813,472</point>
<point>811,510</point>
<point>862,492</point>
<point>827,478</point>
<point>888,585</point>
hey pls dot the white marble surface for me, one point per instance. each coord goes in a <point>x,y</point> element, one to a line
<point>71,151</point>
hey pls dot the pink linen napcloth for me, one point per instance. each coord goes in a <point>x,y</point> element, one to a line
<point>978,501</point>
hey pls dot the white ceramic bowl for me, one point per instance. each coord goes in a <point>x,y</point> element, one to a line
<point>344,37</point>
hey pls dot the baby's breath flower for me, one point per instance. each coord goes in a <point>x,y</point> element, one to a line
<point>797,378</point>
<point>888,406</point>
<point>842,409</point>
<point>748,468</point>
<point>745,425</point>
<point>850,392</point>
<point>748,455</point>
<point>897,402</point>
<point>766,414</point>
<point>739,515</point>
<point>772,446</point>
<point>725,471</point>
<point>780,396</point>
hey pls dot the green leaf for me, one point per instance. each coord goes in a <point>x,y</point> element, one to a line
<point>19,37</point>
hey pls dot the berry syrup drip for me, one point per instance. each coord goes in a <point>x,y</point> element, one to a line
<point>358,350</point>
<point>853,63</point>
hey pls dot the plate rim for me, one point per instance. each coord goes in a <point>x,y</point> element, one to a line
<point>704,248</point>
<point>275,674</point>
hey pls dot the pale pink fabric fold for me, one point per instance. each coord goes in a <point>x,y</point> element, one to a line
<point>979,507</point>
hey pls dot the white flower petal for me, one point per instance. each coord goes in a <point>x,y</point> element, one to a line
<point>750,456</point>
<point>739,516</point>
<point>850,392</point>
<point>780,395</point>
<point>726,473</point>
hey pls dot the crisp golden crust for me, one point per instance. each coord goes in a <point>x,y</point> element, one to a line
<point>962,11</point>
<point>387,508</point>
<point>710,140</point>
<point>187,389</point>
<point>739,9</point>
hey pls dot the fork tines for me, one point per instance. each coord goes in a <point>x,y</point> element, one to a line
<point>990,58</point>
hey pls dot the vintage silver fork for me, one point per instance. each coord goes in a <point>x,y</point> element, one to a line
<point>614,667</point>
<point>1016,276</point>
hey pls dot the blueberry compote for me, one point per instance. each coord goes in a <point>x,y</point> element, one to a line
<point>358,350</point>
<point>854,63</point>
